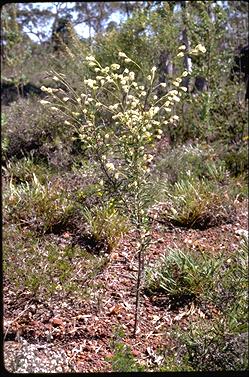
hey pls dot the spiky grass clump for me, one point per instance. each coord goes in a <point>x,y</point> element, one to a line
<point>42,207</point>
<point>196,203</point>
<point>183,273</point>
<point>105,225</point>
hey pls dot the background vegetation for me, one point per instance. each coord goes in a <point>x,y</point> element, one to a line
<point>198,173</point>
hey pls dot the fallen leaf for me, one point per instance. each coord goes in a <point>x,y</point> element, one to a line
<point>115,309</point>
<point>57,322</point>
<point>136,353</point>
<point>155,319</point>
<point>179,316</point>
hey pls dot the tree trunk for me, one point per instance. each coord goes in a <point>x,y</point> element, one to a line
<point>165,70</point>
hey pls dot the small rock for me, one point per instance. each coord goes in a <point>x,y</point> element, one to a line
<point>242,233</point>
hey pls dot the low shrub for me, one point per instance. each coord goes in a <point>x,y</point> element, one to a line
<point>200,161</point>
<point>105,225</point>
<point>207,345</point>
<point>231,292</point>
<point>45,267</point>
<point>219,343</point>
<point>89,196</point>
<point>31,130</point>
<point>210,116</point>
<point>43,207</point>
<point>181,274</point>
<point>122,359</point>
<point>23,170</point>
<point>236,159</point>
<point>196,203</point>
<point>217,172</point>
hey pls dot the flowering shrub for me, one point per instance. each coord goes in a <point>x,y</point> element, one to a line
<point>136,117</point>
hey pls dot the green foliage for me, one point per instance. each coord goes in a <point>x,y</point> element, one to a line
<point>90,195</point>
<point>231,293</point>
<point>173,364</point>
<point>207,345</point>
<point>122,359</point>
<point>227,124</point>
<point>47,268</point>
<point>215,166</point>
<point>196,203</point>
<point>219,343</point>
<point>183,273</point>
<point>143,34</point>
<point>198,160</point>
<point>218,110</point>
<point>43,207</point>
<point>217,171</point>
<point>216,347</point>
<point>236,159</point>
<point>24,170</point>
<point>209,115</point>
<point>106,224</point>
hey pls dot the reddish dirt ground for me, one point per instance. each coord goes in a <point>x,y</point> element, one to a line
<point>85,329</point>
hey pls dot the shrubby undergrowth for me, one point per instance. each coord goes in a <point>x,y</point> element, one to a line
<point>206,279</point>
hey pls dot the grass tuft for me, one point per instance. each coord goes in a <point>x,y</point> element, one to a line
<point>42,207</point>
<point>183,273</point>
<point>196,203</point>
<point>105,225</point>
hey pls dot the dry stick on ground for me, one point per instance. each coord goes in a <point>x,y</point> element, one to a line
<point>15,319</point>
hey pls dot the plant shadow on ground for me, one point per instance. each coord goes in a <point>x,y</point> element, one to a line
<point>173,303</point>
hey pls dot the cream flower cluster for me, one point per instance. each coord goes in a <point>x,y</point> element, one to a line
<point>134,92</point>
<point>136,110</point>
<point>199,48</point>
<point>194,51</point>
<point>48,90</point>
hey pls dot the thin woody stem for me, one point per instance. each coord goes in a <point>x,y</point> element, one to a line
<point>144,242</point>
<point>138,288</point>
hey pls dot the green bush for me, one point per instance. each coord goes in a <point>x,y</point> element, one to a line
<point>227,124</point>
<point>236,159</point>
<point>198,160</point>
<point>43,207</point>
<point>122,359</point>
<point>231,294</point>
<point>105,225</point>
<point>89,196</point>
<point>221,342</point>
<point>181,274</point>
<point>211,116</point>
<point>196,203</point>
<point>207,345</point>
<point>23,170</point>
<point>46,268</point>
